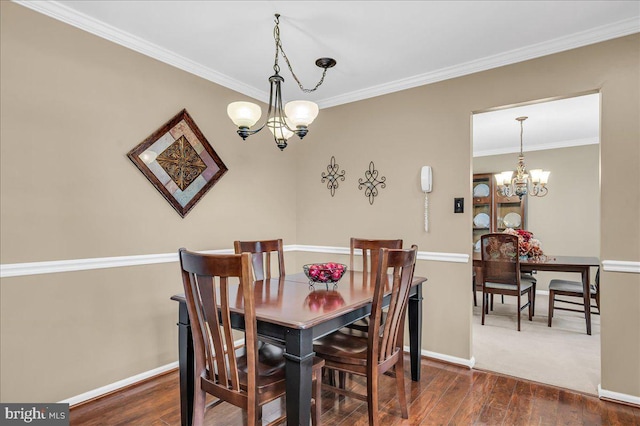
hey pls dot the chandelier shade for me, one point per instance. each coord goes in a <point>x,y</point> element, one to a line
<point>533,183</point>
<point>283,123</point>
<point>280,131</point>
<point>244,114</point>
<point>301,113</point>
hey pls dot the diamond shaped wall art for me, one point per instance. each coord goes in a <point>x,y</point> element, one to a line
<point>179,161</point>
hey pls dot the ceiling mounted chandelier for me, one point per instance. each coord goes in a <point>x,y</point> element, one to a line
<point>283,123</point>
<point>523,183</point>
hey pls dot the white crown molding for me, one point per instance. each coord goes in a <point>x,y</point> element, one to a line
<point>50,267</point>
<point>79,20</point>
<point>538,147</point>
<point>84,22</point>
<point>621,266</point>
<point>584,38</point>
<point>617,396</point>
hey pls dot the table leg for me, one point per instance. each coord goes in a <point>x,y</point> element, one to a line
<point>298,363</point>
<point>586,293</point>
<point>415,332</point>
<point>185,365</point>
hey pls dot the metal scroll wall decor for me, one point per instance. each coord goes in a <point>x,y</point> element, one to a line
<point>371,183</point>
<point>332,176</point>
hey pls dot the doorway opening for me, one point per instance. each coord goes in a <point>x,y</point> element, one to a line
<point>563,136</point>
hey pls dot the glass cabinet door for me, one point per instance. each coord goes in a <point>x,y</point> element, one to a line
<point>509,213</point>
<point>482,207</point>
<point>493,212</point>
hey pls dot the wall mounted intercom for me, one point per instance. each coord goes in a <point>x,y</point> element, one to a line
<point>426,178</point>
<point>426,183</point>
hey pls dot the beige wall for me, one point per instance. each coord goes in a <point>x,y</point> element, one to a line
<point>69,96</point>
<point>72,106</point>
<point>567,219</point>
<point>431,125</point>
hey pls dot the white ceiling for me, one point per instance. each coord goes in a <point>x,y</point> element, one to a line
<point>380,46</point>
<point>553,124</point>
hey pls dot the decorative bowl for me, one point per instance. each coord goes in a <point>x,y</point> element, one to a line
<point>324,273</point>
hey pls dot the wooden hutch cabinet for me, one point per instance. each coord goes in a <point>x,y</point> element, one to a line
<point>493,212</point>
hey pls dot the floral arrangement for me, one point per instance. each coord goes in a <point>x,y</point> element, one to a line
<point>527,245</point>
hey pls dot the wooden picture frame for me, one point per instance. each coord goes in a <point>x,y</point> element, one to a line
<point>179,162</point>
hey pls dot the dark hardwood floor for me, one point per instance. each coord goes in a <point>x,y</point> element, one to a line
<point>446,395</point>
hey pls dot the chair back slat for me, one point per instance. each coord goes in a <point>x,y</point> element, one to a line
<point>395,270</point>
<point>207,280</point>
<point>212,324</point>
<point>261,252</point>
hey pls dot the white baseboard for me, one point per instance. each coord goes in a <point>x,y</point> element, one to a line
<point>128,381</point>
<point>617,396</point>
<point>95,393</point>
<point>469,363</point>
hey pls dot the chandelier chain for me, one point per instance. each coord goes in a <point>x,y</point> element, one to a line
<point>521,133</point>
<point>279,49</point>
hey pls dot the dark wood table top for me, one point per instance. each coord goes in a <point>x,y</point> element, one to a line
<point>293,303</point>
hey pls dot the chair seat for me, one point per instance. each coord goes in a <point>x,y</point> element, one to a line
<point>353,331</point>
<point>529,278</point>
<point>342,348</point>
<point>362,325</point>
<point>269,374</point>
<point>524,285</point>
<point>569,286</point>
<point>270,354</point>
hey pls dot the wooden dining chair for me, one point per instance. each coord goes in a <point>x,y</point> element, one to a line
<point>575,289</point>
<point>501,272</point>
<point>381,350</point>
<point>261,260</point>
<point>238,377</point>
<point>370,252</point>
<point>528,276</point>
<point>261,252</point>
<point>370,259</point>
<point>476,285</point>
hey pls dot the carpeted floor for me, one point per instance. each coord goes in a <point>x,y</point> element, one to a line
<point>563,355</point>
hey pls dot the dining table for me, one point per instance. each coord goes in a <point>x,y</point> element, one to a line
<point>292,313</point>
<point>579,264</point>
